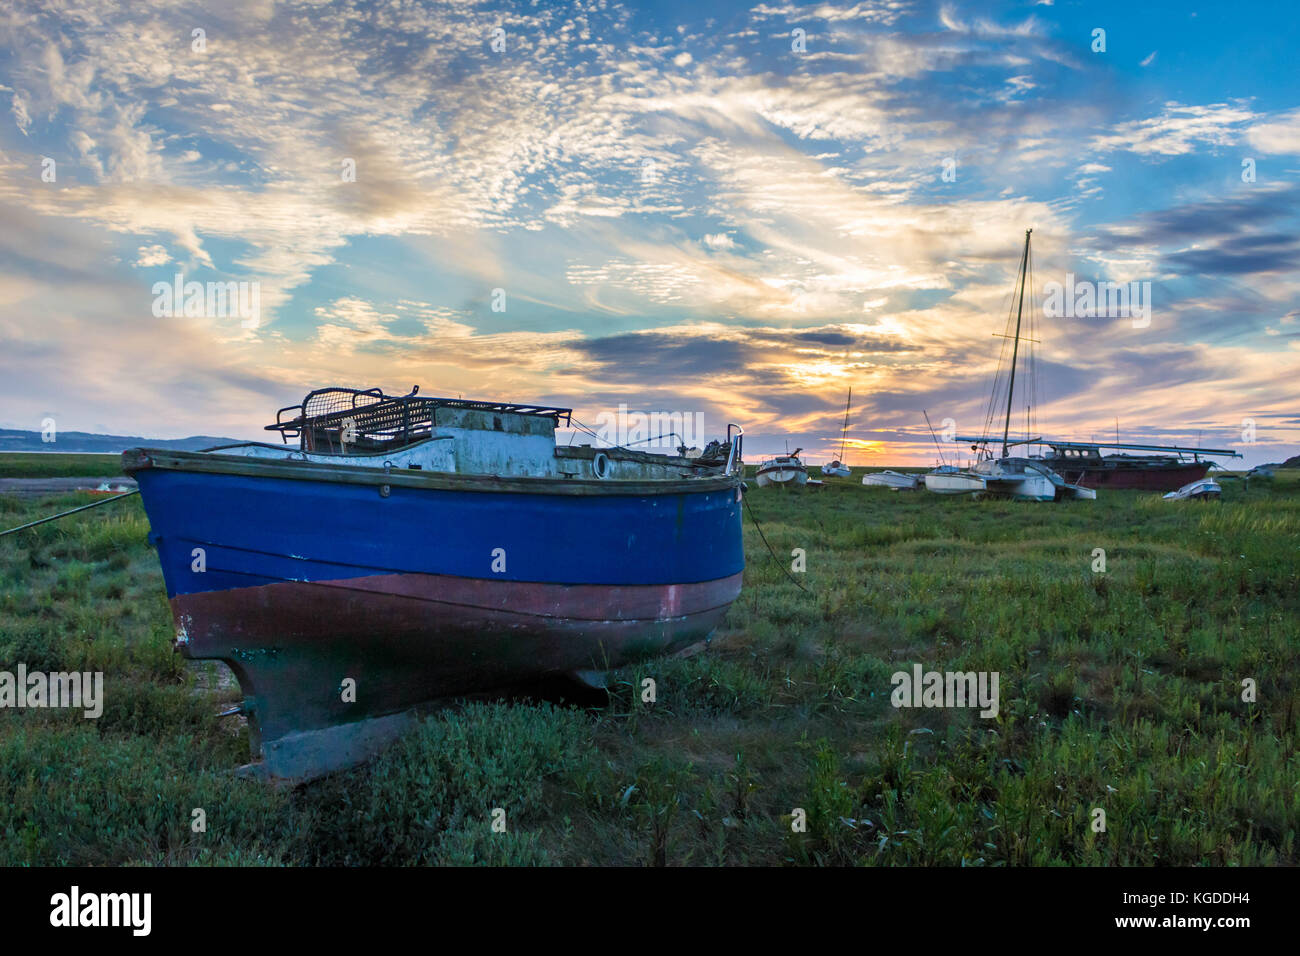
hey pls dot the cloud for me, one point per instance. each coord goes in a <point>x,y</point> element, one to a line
<point>1280,134</point>
<point>746,227</point>
<point>154,255</point>
<point>1178,130</point>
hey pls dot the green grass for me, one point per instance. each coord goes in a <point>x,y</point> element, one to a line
<point>41,465</point>
<point>1120,692</point>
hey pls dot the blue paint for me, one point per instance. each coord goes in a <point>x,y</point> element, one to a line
<point>258,531</point>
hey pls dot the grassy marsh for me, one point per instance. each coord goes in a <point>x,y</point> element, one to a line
<point>1120,691</point>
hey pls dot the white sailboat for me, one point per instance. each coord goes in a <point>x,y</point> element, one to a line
<point>1008,476</point>
<point>903,481</point>
<point>837,468</point>
<point>785,470</point>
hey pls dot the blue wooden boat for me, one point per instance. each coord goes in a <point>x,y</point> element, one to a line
<point>413,548</point>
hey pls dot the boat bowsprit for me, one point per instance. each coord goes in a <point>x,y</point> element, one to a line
<point>411,549</point>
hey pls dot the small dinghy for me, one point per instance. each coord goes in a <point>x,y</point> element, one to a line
<point>1203,489</point>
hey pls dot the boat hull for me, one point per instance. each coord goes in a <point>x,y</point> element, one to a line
<point>893,479</point>
<point>302,578</point>
<point>1201,489</point>
<point>1029,487</point>
<point>1156,478</point>
<point>954,484</point>
<point>782,476</point>
<point>408,639</point>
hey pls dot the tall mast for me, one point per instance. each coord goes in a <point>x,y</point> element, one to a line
<point>1015,344</point>
<point>844,431</point>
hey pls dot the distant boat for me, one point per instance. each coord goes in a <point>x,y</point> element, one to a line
<point>1084,464</point>
<point>1009,476</point>
<point>954,483</point>
<point>1203,488</point>
<point>837,468</point>
<point>896,480</point>
<point>410,549</point>
<point>784,470</point>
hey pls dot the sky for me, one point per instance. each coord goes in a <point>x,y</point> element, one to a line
<point>734,210</point>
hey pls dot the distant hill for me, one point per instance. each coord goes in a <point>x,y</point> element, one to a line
<point>1292,462</point>
<point>12,439</point>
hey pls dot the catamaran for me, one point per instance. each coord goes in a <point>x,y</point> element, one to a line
<point>1007,475</point>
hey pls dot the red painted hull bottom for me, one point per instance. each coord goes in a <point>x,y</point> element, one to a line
<point>409,639</point>
<point>1142,479</point>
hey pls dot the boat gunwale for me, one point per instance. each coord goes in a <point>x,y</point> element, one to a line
<point>146,459</point>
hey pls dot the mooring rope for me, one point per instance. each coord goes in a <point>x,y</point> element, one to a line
<point>779,562</point>
<point>64,514</point>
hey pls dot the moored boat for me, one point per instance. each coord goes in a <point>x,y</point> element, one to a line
<point>837,468</point>
<point>411,549</point>
<point>1202,489</point>
<point>1008,475</point>
<point>1083,463</point>
<point>953,483</point>
<point>897,480</point>
<point>784,470</point>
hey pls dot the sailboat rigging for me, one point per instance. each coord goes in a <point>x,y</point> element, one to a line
<point>837,468</point>
<point>1008,475</point>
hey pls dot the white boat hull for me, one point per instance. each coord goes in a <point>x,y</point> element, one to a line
<point>1007,478</point>
<point>892,479</point>
<point>958,483</point>
<point>785,470</point>
<point>1204,488</point>
<point>836,471</point>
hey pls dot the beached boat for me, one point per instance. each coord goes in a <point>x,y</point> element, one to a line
<point>837,468</point>
<point>952,481</point>
<point>1006,475</point>
<point>785,470</point>
<point>409,549</point>
<point>1204,488</point>
<point>897,480</point>
<point>1084,463</point>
